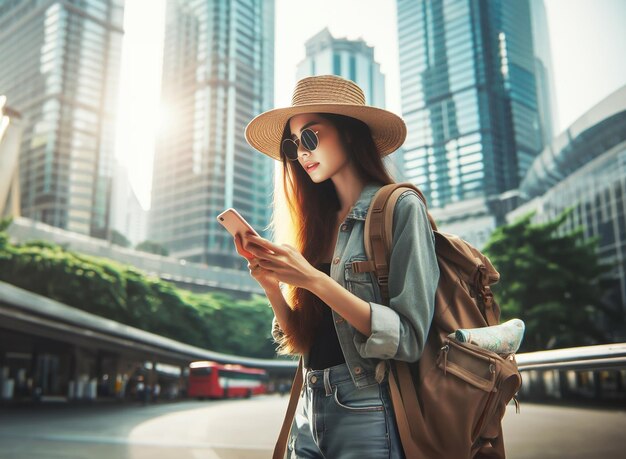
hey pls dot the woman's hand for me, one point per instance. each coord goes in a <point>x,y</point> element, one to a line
<point>283,261</point>
<point>267,279</point>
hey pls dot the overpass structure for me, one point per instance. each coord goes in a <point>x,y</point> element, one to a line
<point>47,346</point>
<point>196,277</point>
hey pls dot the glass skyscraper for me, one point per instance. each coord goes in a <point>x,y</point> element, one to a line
<point>546,92</point>
<point>467,75</point>
<point>353,60</point>
<point>59,66</point>
<point>218,73</point>
<point>584,168</point>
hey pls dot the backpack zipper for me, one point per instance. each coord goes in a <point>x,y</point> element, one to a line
<point>445,350</point>
<point>487,412</point>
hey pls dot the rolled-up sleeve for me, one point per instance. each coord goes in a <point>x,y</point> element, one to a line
<point>400,330</point>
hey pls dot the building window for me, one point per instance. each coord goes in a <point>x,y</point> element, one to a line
<point>336,64</point>
<point>353,68</point>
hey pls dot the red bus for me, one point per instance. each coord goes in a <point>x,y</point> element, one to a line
<point>209,379</point>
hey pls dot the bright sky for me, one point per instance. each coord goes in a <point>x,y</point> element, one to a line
<point>140,86</point>
<point>587,38</point>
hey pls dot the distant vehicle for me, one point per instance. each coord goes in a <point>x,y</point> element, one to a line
<point>209,379</point>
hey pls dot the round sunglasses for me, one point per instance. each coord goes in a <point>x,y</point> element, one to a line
<point>309,139</point>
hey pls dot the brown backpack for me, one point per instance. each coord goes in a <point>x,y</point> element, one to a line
<point>450,403</point>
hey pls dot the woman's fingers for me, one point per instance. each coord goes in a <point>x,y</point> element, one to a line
<point>240,249</point>
<point>253,263</point>
<point>237,243</point>
<point>251,247</point>
<point>265,244</point>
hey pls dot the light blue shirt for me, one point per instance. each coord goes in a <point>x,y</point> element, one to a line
<point>400,329</point>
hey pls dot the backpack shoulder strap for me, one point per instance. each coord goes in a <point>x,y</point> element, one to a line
<point>378,235</point>
<point>450,248</point>
<point>378,231</point>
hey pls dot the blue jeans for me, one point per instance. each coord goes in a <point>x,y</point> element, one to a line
<point>336,420</point>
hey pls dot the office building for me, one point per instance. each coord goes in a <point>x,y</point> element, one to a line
<point>218,68</point>
<point>469,98</point>
<point>60,70</point>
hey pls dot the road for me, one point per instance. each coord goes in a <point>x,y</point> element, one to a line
<point>229,429</point>
<point>224,429</point>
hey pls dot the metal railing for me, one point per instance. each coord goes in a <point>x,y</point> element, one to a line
<point>583,374</point>
<point>597,357</point>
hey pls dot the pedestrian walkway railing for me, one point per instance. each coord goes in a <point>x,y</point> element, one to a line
<point>582,374</point>
<point>598,357</point>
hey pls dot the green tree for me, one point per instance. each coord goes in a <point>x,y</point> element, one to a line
<point>5,223</point>
<point>152,247</point>
<point>4,237</point>
<point>552,282</point>
<point>244,325</point>
<point>118,238</point>
<point>122,293</point>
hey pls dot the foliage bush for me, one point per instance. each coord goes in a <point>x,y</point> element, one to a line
<point>123,293</point>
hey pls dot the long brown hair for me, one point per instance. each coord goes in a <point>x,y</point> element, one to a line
<point>306,219</point>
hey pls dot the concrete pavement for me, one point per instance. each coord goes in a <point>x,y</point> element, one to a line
<point>247,428</point>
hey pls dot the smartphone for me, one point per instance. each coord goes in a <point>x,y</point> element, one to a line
<point>236,224</point>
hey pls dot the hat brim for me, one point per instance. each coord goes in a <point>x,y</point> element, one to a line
<point>264,132</point>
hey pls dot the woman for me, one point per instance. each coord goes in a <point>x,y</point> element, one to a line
<point>330,313</point>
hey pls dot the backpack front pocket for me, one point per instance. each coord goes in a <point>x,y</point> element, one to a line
<point>474,381</point>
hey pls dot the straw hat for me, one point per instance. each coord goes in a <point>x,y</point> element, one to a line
<point>326,94</point>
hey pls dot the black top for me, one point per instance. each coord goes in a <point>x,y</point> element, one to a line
<point>325,351</point>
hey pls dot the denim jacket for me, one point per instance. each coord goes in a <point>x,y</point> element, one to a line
<point>400,329</point>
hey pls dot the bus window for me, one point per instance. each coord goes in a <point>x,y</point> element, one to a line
<point>201,371</point>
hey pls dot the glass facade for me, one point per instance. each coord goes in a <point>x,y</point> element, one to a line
<point>468,96</point>
<point>218,66</point>
<point>60,69</point>
<point>585,168</point>
<point>350,59</point>
<point>546,93</point>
